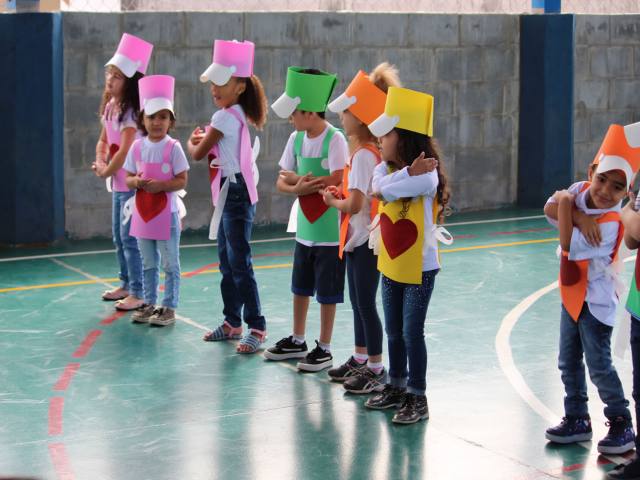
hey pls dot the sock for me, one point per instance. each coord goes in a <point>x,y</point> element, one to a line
<point>375,367</point>
<point>325,346</point>
<point>298,339</point>
<point>361,358</point>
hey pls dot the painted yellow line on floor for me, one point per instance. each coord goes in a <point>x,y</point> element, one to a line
<point>268,267</point>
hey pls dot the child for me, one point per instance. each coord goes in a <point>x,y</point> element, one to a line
<point>157,168</point>
<point>241,99</point>
<point>588,291</point>
<point>361,104</point>
<point>313,158</point>
<point>119,111</point>
<point>413,187</point>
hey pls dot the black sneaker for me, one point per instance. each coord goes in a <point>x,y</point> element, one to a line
<point>627,471</point>
<point>285,349</point>
<point>570,430</point>
<point>316,360</point>
<point>620,439</point>
<point>366,381</point>
<point>348,369</point>
<point>414,409</point>
<point>390,397</point>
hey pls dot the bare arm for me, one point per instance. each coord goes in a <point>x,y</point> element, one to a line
<point>201,142</point>
<point>351,205</point>
<point>127,137</point>
<point>565,220</point>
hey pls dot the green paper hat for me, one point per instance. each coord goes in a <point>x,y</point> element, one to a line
<point>304,91</point>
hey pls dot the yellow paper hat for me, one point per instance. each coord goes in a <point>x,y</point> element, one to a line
<point>406,109</point>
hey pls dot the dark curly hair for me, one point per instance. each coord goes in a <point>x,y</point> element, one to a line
<point>130,97</point>
<point>410,146</point>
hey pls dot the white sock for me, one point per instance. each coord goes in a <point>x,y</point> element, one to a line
<point>375,367</point>
<point>361,358</point>
<point>298,339</point>
<point>325,346</point>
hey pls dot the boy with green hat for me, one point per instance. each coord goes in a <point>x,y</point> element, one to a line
<point>313,159</point>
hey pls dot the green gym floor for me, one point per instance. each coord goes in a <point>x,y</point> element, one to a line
<point>85,394</point>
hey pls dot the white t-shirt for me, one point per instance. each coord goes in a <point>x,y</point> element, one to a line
<point>312,148</point>
<point>363,164</point>
<point>400,184</point>
<point>151,152</point>
<point>229,144</point>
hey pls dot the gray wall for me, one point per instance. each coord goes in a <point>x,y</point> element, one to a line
<point>607,89</point>
<point>468,62</point>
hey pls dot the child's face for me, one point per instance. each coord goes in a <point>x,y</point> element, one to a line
<point>350,123</point>
<point>389,147</point>
<point>608,189</point>
<point>227,95</point>
<point>302,121</point>
<point>158,124</point>
<point>114,81</point>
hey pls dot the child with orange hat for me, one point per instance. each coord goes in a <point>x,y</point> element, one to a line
<point>588,291</point>
<point>361,103</point>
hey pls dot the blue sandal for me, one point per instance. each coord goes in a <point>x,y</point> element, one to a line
<point>219,335</point>
<point>251,341</point>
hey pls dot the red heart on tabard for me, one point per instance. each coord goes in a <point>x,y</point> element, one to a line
<point>150,205</point>
<point>113,149</point>
<point>397,237</point>
<point>213,171</point>
<point>569,271</point>
<point>313,206</point>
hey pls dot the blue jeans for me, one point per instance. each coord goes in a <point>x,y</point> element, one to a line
<point>405,312</point>
<point>127,250</point>
<point>635,358</point>
<point>238,286</point>
<point>363,278</point>
<point>169,251</point>
<point>591,339</point>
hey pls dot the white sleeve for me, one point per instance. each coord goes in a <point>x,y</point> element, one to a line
<point>128,121</point>
<point>338,152</point>
<point>224,122</point>
<point>400,184</point>
<point>129,162</point>
<point>179,159</point>
<point>580,249</point>
<point>288,159</point>
<point>362,167</point>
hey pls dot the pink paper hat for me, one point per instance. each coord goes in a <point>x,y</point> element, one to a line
<point>132,55</point>
<point>230,59</point>
<point>156,93</point>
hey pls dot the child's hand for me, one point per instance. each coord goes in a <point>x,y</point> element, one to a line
<point>307,185</point>
<point>140,182</point>
<point>289,177</point>
<point>422,165</point>
<point>589,228</point>
<point>153,186</point>
<point>330,194</point>
<point>99,168</point>
<point>197,135</point>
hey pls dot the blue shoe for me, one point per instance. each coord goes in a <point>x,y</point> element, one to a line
<point>570,430</point>
<point>620,439</point>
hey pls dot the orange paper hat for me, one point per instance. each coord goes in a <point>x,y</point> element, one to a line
<point>362,98</point>
<point>620,150</point>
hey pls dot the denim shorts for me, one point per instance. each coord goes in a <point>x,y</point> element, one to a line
<point>318,271</point>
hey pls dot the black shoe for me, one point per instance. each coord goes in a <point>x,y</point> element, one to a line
<point>620,439</point>
<point>570,430</point>
<point>285,349</point>
<point>348,369</point>
<point>316,360</point>
<point>628,471</point>
<point>413,409</point>
<point>366,381</point>
<point>390,397</point>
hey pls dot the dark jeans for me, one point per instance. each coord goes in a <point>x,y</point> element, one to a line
<point>635,357</point>
<point>591,339</point>
<point>238,286</point>
<point>363,278</point>
<point>405,312</point>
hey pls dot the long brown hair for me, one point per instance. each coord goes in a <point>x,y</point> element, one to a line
<point>410,146</point>
<point>254,101</point>
<point>130,97</point>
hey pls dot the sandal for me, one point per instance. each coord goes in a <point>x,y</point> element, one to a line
<point>252,341</point>
<point>115,294</point>
<point>129,303</point>
<point>219,335</point>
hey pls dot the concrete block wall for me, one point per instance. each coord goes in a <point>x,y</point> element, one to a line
<point>470,64</point>
<point>607,65</point>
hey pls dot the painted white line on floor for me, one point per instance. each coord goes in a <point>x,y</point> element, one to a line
<point>266,240</point>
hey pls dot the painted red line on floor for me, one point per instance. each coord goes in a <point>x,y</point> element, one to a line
<point>529,230</point>
<point>464,236</point>
<point>65,378</point>
<point>200,270</point>
<point>112,318</point>
<point>60,460</point>
<point>87,343</point>
<point>573,468</point>
<point>56,406</point>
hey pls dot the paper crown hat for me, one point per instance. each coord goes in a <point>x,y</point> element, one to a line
<point>230,59</point>
<point>133,55</point>
<point>304,91</point>
<point>620,150</point>
<point>362,98</point>
<point>156,93</point>
<point>406,109</point>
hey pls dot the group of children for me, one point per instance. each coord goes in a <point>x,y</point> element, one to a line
<point>368,199</point>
